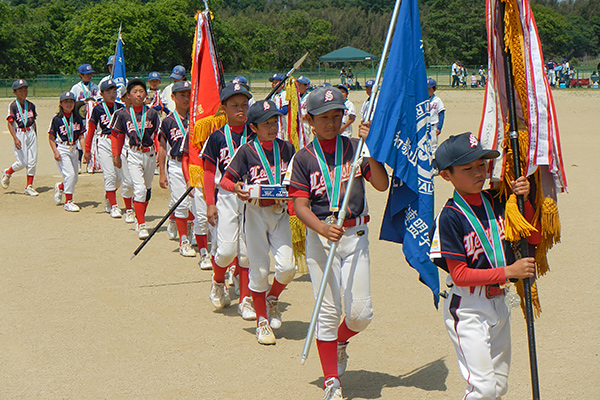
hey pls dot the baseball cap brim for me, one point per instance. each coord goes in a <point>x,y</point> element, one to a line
<point>264,117</point>
<point>229,95</point>
<point>327,107</point>
<point>466,158</point>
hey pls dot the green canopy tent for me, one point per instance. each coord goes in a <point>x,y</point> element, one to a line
<point>346,54</point>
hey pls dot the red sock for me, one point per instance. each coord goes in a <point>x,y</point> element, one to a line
<point>127,201</point>
<point>145,207</point>
<point>139,212</point>
<point>190,216</point>
<point>61,186</point>
<point>202,241</point>
<point>68,197</point>
<point>328,356</point>
<point>276,289</point>
<point>29,180</point>
<point>181,227</point>
<point>111,195</point>
<point>219,273</point>
<point>10,171</point>
<point>344,333</point>
<point>260,306</point>
<point>243,277</point>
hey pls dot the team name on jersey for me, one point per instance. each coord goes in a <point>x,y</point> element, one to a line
<point>62,130</point>
<point>104,120</point>
<point>259,175</point>
<point>317,181</point>
<point>224,156</point>
<point>131,127</point>
<point>472,244</point>
<point>175,134</point>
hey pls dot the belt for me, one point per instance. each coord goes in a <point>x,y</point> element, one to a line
<point>142,149</point>
<point>492,291</point>
<point>180,159</point>
<point>349,223</point>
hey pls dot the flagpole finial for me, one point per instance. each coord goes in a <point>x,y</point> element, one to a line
<point>206,5</point>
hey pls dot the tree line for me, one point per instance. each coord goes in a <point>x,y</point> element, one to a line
<point>54,37</point>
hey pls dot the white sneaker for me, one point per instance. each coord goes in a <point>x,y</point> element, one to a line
<point>342,358</point>
<point>142,231</point>
<point>186,249</point>
<point>246,310</point>
<point>57,193</point>
<point>107,208</point>
<point>190,233</point>
<point>205,262</point>
<point>71,207</point>
<point>31,191</point>
<point>333,390</point>
<point>172,230</point>
<point>273,313</point>
<point>129,216</point>
<point>232,280</point>
<point>115,212</point>
<point>5,181</point>
<point>218,296</point>
<point>264,333</point>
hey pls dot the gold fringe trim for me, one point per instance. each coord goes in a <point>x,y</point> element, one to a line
<point>291,95</point>
<point>516,226</point>
<point>196,176</point>
<point>535,301</point>
<point>513,42</point>
<point>205,126</point>
<point>299,243</point>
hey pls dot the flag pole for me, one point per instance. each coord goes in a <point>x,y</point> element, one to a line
<point>342,213</point>
<point>212,38</point>
<point>523,246</point>
<point>112,74</point>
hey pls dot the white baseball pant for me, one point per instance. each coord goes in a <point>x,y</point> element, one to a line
<point>230,230</point>
<point>68,166</point>
<point>268,230</point>
<point>27,155</point>
<point>480,331</point>
<point>127,183</point>
<point>199,211</point>
<point>141,167</point>
<point>112,175</point>
<point>349,277</point>
<point>178,187</point>
<point>433,137</point>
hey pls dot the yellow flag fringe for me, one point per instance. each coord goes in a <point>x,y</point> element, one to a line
<point>516,226</point>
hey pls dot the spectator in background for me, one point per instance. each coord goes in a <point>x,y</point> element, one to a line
<point>550,65</point>
<point>474,81</point>
<point>455,71</point>
<point>343,76</point>
<point>482,75</point>
<point>350,77</point>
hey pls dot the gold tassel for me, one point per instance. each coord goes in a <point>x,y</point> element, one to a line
<point>291,95</point>
<point>205,126</point>
<point>541,260</point>
<point>299,243</point>
<point>515,224</point>
<point>535,301</point>
<point>550,222</point>
<point>196,176</point>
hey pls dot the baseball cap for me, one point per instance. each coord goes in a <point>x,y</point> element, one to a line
<point>19,83</point>
<point>107,84</point>
<point>136,82</point>
<point>242,81</point>
<point>261,111</point>
<point>153,76</point>
<point>431,83</point>
<point>276,77</point>
<point>369,83</point>
<point>303,80</point>
<point>460,150</point>
<point>326,84</point>
<point>342,87</point>
<point>232,89</point>
<point>323,99</point>
<point>111,60</point>
<point>66,96</point>
<point>181,86</point>
<point>178,72</point>
<point>85,69</point>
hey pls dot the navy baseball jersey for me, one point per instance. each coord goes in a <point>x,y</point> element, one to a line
<point>101,119</point>
<point>452,236</point>
<point>216,151</point>
<point>124,125</point>
<point>15,116</point>
<point>306,176</point>
<point>172,134</point>
<point>246,162</point>
<point>58,129</point>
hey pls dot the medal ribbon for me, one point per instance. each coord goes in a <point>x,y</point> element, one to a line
<point>333,190</point>
<point>107,111</point>
<point>229,140</point>
<point>86,92</point>
<point>180,126</point>
<point>138,131</point>
<point>273,180</point>
<point>494,250</point>
<point>24,113</point>
<point>69,128</point>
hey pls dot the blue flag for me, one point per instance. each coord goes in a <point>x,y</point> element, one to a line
<point>118,74</point>
<point>399,137</point>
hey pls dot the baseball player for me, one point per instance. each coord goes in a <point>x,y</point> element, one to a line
<point>110,64</point>
<point>23,129</point>
<point>99,128</point>
<point>349,113</point>
<point>303,85</point>
<point>365,105</point>
<point>66,129</point>
<point>264,161</point>
<point>227,211</point>
<point>154,99</point>
<point>173,131</point>
<point>468,242</point>
<point>138,126</point>
<point>86,91</point>
<point>437,113</point>
<point>317,179</point>
<point>281,103</point>
<point>177,74</point>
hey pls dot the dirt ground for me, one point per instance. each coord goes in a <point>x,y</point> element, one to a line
<point>82,321</point>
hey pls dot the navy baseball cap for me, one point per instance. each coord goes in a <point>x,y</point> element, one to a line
<point>85,69</point>
<point>181,86</point>
<point>369,83</point>
<point>261,111</point>
<point>303,80</point>
<point>136,82</point>
<point>323,99</point>
<point>19,83</point>
<point>111,60</point>
<point>178,72</point>
<point>276,77</point>
<point>431,83</point>
<point>66,96</point>
<point>460,150</point>
<point>107,84</point>
<point>232,89</point>
<point>153,76</point>
<point>341,86</point>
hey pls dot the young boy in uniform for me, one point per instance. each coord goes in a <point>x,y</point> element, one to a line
<point>349,113</point>
<point>173,131</point>
<point>281,103</point>
<point>468,242</point>
<point>154,99</point>
<point>437,113</point>
<point>264,161</point>
<point>23,129</point>
<point>317,181</point>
